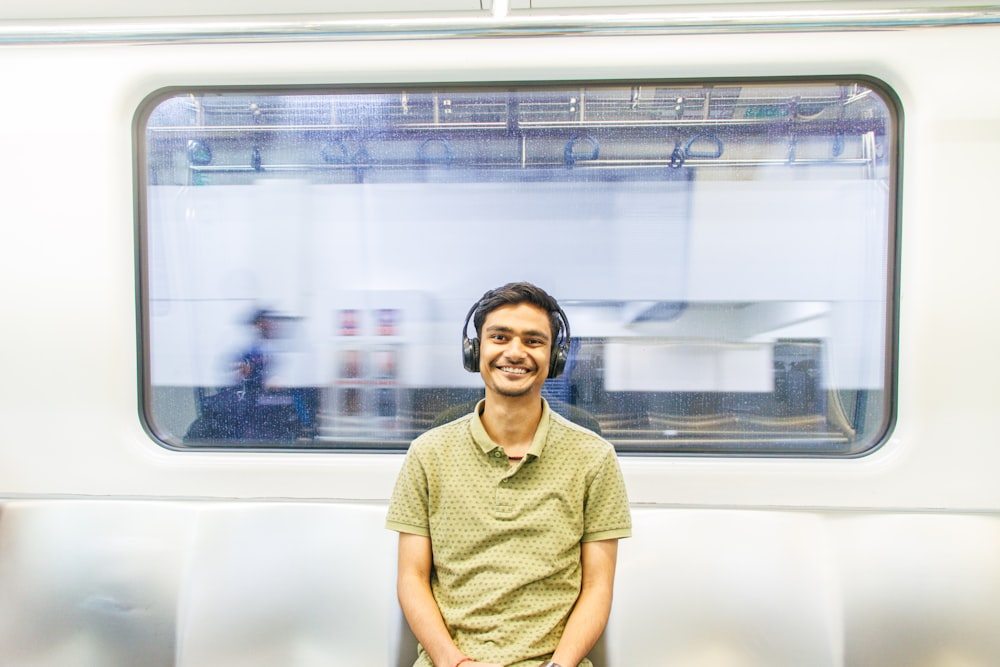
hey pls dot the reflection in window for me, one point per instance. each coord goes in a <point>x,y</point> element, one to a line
<point>724,254</point>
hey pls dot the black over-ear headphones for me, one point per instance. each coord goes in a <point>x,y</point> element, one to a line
<point>557,361</point>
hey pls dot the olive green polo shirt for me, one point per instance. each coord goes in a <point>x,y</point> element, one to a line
<point>506,540</point>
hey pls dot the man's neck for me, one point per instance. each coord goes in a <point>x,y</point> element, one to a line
<point>511,422</point>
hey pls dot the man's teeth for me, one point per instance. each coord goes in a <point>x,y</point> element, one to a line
<point>508,369</point>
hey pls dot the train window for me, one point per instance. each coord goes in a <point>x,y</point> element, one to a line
<point>724,250</point>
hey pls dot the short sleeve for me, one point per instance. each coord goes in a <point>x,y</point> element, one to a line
<point>408,507</point>
<point>606,510</point>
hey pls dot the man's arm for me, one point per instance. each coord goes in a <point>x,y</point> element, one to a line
<point>413,586</point>
<point>590,614</point>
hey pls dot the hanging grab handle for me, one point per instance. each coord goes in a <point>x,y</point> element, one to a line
<point>443,155</point>
<point>697,146</point>
<point>569,154</point>
<point>704,145</point>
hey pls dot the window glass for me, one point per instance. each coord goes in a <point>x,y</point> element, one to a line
<point>723,250</point>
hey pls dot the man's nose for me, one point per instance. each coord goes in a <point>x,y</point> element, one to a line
<point>515,349</point>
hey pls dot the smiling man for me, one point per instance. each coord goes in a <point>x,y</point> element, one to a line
<point>509,517</point>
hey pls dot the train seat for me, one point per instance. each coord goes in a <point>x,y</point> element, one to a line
<point>721,588</point>
<point>288,584</point>
<point>921,590</point>
<point>90,582</point>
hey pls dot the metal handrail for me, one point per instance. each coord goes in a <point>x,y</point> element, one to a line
<point>638,163</point>
<point>327,27</point>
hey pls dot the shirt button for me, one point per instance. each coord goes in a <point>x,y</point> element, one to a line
<point>497,454</point>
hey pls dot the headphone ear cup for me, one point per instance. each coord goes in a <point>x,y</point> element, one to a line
<point>470,354</point>
<point>558,363</point>
<point>561,354</point>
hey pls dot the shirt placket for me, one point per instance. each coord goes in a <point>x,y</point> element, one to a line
<point>504,503</point>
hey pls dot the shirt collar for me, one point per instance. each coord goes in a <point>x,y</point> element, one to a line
<point>486,443</point>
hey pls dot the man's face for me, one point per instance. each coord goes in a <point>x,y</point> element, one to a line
<point>514,350</point>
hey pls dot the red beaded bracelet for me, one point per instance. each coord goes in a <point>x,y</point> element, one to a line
<point>463,660</point>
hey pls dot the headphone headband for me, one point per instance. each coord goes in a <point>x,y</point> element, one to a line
<point>560,347</point>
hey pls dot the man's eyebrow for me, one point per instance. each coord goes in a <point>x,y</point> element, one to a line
<point>500,328</point>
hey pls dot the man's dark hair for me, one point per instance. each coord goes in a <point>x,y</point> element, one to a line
<point>514,293</point>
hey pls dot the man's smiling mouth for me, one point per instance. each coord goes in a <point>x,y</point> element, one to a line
<point>514,370</point>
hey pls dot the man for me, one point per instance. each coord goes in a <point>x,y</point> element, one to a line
<point>509,517</point>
